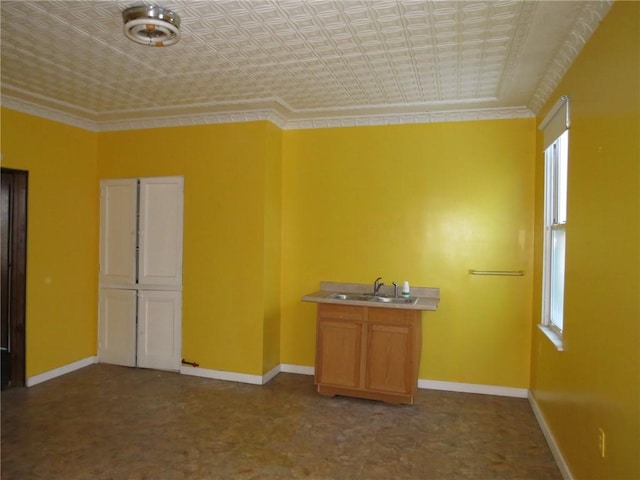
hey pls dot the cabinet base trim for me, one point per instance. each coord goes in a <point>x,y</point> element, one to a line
<point>394,398</point>
<point>58,372</point>
<point>473,388</point>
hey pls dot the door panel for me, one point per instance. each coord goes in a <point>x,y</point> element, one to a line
<point>160,232</point>
<point>117,327</point>
<point>5,280</point>
<point>118,211</point>
<point>388,358</point>
<point>339,346</point>
<point>13,230</point>
<point>159,327</point>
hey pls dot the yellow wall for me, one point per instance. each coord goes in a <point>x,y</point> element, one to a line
<point>407,202</point>
<point>226,192</point>
<point>423,203</point>
<point>62,243</point>
<point>232,234</point>
<point>595,382</point>
<point>273,248</point>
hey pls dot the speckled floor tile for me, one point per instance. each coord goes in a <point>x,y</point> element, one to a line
<point>110,423</point>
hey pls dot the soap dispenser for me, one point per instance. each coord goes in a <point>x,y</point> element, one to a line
<point>405,289</point>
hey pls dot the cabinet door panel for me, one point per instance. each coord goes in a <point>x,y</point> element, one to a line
<point>388,358</point>
<point>118,210</point>
<point>117,327</point>
<point>339,353</point>
<point>160,242</point>
<point>159,338</point>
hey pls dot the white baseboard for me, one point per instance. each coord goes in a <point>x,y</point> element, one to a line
<point>422,383</point>
<point>57,372</point>
<point>301,369</point>
<point>551,441</point>
<point>271,373</point>
<point>246,378</point>
<point>222,375</point>
<point>473,388</point>
<point>231,376</point>
<point>434,384</point>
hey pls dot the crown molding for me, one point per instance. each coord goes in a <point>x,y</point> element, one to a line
<point>267,114</point>
<point>213,118</point>
<point>409,118</point>
<point>287,117</point>
<point>590,18</point>
<point>49,113</point>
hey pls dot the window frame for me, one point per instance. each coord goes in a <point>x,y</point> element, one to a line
<point>556,159</point>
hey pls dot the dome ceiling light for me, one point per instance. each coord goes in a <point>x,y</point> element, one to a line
<point>151,25</point>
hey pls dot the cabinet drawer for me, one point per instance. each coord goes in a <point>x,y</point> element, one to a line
<point>343,312</point>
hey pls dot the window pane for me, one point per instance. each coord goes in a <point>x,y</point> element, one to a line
<point>562,166</point>
<point>549,181</point>
<point>557,276</point>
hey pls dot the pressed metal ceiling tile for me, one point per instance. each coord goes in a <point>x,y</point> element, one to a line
<point>305,57</point>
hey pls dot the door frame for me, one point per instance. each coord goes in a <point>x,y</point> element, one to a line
<point>18,275</point>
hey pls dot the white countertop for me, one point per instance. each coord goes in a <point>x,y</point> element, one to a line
<point>428,298</point>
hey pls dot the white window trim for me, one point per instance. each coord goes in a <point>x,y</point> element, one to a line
<point>554,337</point>
<point>554,125</point>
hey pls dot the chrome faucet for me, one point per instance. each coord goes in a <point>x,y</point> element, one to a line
<point>395,289</point>
<point>376,285</point>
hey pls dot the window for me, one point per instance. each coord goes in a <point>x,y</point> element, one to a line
<point>556,155</point>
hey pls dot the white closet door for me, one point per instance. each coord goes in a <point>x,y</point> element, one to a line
<point>160,232</point>
<point>159,329</point>
<point>117,327</point>
<point>118,210</point>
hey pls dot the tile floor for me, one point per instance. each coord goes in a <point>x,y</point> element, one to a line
<point>108,422</point>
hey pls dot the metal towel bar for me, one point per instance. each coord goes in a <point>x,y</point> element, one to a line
<point>503,273</point>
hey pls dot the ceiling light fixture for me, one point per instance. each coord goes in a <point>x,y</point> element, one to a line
<point>151,25</point>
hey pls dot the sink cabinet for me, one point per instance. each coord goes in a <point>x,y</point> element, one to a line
<point>368,352</point>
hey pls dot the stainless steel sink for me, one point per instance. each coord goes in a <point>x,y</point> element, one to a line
<point>400,300</point>
<point>360,297</point>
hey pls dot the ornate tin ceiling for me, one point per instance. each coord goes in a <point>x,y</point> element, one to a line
<point>299,63</point>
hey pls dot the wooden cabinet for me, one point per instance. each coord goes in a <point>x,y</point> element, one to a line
<point>368,352</point>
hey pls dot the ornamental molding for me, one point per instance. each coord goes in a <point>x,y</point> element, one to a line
<point>268,114</point>
<point>588,21</point>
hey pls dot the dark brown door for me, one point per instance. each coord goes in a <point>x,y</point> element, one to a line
<point>13,245</point>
